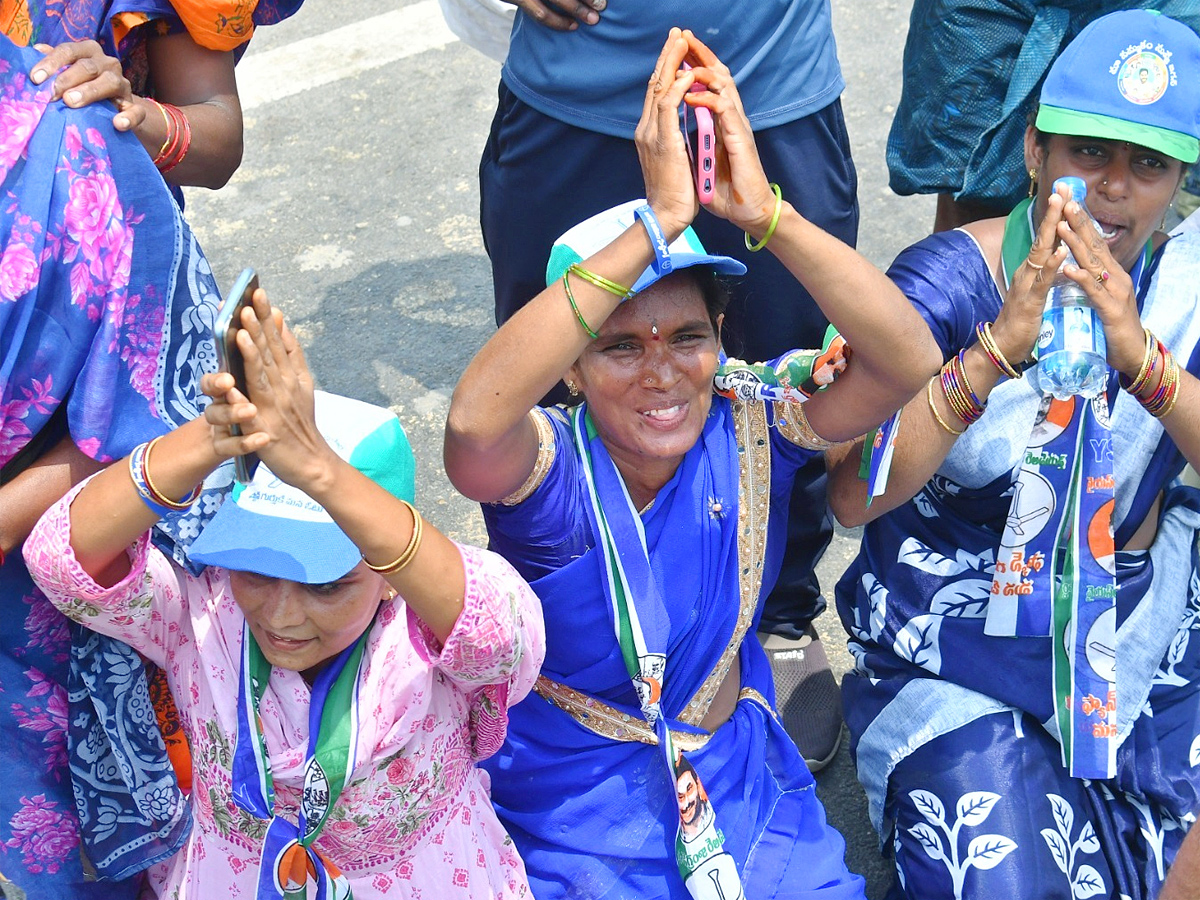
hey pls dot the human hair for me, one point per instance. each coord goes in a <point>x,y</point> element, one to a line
<point>714,290</point>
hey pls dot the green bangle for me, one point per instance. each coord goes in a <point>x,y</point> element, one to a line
<point>601,282</point>
<point>578,315</point>
<point>754,248</point>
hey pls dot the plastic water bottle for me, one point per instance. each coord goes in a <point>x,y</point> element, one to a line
<point>1071,350</point>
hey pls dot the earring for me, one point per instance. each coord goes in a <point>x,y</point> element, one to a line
<point>572,388</point>
<point>1033,174</point>
<point>1162,226</point>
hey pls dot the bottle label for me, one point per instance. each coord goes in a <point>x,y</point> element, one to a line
<point>1071,329</point>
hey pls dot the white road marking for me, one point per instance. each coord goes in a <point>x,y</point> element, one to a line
<point>341,53</point>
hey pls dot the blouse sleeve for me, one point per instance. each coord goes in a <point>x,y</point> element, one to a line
<point>948,283</point>
<point>499,637</point>
<point>146,609</point>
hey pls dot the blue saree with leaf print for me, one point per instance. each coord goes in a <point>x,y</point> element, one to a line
<point>106,306</point>
<point>953,729</point>
<point>580,782</point>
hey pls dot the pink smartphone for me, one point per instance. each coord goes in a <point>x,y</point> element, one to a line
<point>703,154</point>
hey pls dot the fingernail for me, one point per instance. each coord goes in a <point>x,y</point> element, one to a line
<point>120,123</point>
<point>599,5</point>
<point>1072,207</point>
<point>37,76</point>
<point>592,18</point>
<point>73,97</point>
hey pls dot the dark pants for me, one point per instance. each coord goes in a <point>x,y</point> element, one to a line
<point>540,176</point>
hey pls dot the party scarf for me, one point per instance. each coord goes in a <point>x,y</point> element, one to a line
<point>1055,569</point>
<point>288,857</point>
<point>642,630</point>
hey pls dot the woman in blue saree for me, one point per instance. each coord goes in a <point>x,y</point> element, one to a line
<point>650,521</point>
<point>1025,708</point>
<point>106,306</point>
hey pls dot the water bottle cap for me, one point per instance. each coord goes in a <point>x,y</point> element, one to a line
<point>1077,187</point>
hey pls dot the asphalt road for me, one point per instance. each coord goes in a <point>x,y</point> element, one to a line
<point>358,205</point>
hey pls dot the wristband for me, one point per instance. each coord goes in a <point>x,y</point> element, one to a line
<point>662,250</point>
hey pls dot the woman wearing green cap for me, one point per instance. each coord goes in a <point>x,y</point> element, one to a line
<point>651,522</point>
<point>1025,708</point>
<point>340,665</point>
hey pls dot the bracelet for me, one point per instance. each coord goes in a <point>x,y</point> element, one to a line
<point>157,495</point>
<point>179,137</point>
<point>1149,361</point>
<point>185,128</point>
<point>153,499</point>
<point>937,415</point>
<point>578,315</point>
<point>983,331</point>
<point>1162,401</point>
<point>601,282</point>
<point>754,248</point>
<point>166,140</point>
<point>962,399</point>
<point>658,240</point>
<point>410,551</point>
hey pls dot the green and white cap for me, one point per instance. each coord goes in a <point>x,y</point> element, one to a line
<point>275,529</point>
<point>596,233</point>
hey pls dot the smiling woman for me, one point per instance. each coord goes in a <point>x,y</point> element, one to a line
<point>650,520</point>
<point>1029,579</point>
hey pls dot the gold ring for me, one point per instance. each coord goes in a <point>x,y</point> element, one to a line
<point>1101,278</point>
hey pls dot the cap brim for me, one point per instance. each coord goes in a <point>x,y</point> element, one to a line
<point>249,542</point>
<point>724,265</point>
<point>1176,144</point>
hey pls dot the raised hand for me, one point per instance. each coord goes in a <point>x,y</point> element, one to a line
<point>742,193</point>
<point>662,150</point>
<point>1016,327</point>
<point>1108,286</point>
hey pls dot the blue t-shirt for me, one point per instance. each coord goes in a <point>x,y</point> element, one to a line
<point>781,53</point>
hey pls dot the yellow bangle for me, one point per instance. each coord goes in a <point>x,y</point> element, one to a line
<point>754,248</point>
<point>937,415</point>
<point>410,551</point>
<point>574,306</point>
<point>601,282</point>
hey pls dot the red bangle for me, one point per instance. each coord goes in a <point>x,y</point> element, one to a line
<point>183,144</point>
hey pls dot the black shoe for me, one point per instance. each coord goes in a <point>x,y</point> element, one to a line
<point>806,695</point>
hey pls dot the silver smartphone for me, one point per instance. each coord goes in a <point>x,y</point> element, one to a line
<point>229,358</point>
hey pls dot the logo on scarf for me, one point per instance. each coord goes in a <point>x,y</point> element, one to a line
<point>651,670</point>
<point>315,798</point>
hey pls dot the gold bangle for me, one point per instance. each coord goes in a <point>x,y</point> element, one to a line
<point>1148,357</point>
<point>986,340</point>
<point>601,282</point>
<point>410,551</point>
<point>158,496</point>
<point>937,415</point>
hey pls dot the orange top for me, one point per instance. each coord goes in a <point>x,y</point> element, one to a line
<point>214,24</point>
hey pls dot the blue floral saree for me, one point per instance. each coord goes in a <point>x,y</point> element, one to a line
<point>106,306</point>
<point>952,728</point>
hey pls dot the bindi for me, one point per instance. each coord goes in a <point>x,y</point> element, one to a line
<point>654,330</point>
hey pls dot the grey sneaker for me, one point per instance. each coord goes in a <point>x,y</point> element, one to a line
<point>807,695</point>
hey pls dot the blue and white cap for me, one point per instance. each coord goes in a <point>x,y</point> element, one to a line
<point>1129,76</point>
<point>596,233</point>
<point>274,529</point>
